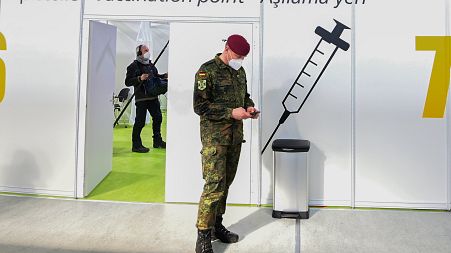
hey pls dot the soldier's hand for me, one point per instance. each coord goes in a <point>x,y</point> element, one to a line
<point>253,112</point>
<point>144,77</point>
<point>240,114</point>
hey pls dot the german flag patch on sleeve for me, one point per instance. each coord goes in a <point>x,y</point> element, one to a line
<point>203,75</point>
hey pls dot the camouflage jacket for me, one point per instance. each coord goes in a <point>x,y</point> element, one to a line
<point>218,90</point>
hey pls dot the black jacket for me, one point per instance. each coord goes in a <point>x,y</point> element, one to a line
<point>135,70</point>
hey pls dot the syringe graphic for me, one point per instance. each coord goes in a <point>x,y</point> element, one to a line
<point>306,81</point>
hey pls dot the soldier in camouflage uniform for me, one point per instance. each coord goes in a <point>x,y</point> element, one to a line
<point>222,102</point>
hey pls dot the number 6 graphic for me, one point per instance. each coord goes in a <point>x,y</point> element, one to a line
<point>2,69</point>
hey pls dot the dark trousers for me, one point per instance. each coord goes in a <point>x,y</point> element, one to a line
<point>153,106</point>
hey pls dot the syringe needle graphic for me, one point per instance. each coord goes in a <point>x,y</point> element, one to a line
<point>301,90</point>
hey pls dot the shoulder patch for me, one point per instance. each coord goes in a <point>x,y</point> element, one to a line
<point>201,85</point>
<point>203,75</point>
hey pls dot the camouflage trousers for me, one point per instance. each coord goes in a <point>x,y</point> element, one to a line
<point>219,166</point>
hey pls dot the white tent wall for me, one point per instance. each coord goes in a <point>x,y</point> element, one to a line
<point>325,119</point>
<point>401,157</point>
<point>370,142</point>
<point>448,112</point>
<point>100,83</point>
<point>38,114</point>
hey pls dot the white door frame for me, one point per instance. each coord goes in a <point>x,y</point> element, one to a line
<point>255,91</point>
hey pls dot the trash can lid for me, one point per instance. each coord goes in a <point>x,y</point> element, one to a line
<point>291,145</point>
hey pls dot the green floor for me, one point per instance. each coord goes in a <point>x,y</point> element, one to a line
<point>135,177</point>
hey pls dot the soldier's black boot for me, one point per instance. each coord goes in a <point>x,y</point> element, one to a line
<point>223,234</point>
<point>203,244</point>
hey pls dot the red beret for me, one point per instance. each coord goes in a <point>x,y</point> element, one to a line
<point>239,45</point>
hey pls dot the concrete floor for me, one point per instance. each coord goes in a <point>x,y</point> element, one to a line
<point>67,226</point>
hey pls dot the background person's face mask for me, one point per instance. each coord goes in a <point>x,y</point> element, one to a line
<point>146,56</point>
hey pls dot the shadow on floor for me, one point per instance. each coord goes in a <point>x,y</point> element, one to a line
<point>247,226</point>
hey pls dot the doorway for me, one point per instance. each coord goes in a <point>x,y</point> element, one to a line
<point>121,175</point>
<point>174,174</point>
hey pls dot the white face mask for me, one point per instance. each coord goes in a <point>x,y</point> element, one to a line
<point>146,56</point>
<point>236,63</point>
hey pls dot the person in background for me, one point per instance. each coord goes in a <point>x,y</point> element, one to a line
<point>138,72</point>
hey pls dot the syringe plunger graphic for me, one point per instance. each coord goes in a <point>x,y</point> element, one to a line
<point>301,90</point>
